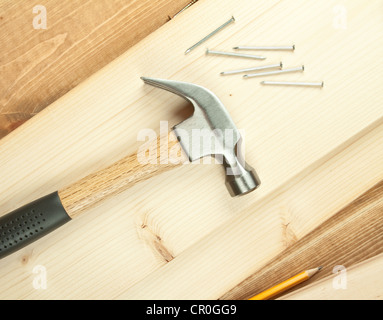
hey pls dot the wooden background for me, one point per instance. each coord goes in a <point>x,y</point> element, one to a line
<point>180,235</point>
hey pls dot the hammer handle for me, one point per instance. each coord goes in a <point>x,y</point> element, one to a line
<point>35,220</point>
<point>90,191</point>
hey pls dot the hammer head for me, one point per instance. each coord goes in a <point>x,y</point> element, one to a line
<point>212,124</point>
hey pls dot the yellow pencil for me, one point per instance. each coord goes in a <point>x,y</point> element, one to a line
<point>285,285</point>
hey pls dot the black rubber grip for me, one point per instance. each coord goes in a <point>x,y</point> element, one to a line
<point>30,223</point>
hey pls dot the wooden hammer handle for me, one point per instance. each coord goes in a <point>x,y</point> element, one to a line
<point>90,191</point>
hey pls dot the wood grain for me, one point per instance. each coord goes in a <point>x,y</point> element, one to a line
<point>180,234</point>
<point>349,237</point>
<point>39,66</point>
<point>163,154</point>
<point>363,281</point>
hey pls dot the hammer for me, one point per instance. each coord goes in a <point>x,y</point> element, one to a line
<point>35,220</point>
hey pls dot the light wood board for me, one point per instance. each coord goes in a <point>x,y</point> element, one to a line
<point>364,281</point>
<point>180,235</point>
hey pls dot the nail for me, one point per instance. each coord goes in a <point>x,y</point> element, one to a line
<point>289,83</point>
<point>272,66</point>
<point>210,35</point>
<point>283,48</point>
<point>299,69</point>
<point>232,54</point>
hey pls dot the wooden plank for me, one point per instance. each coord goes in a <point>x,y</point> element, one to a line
<point>309,147</point>
<point>349,237</point>
<point>39,66</point>
<point>363,281</point>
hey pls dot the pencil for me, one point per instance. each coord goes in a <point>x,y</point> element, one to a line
<point>285,285</point>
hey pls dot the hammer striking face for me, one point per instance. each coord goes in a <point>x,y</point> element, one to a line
<point>221,138</point>
<point>33,221</point>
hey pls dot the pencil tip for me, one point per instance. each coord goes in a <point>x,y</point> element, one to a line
<point>320,268</point>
